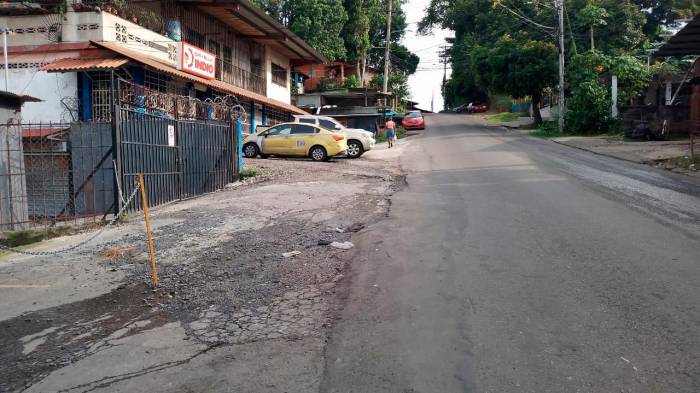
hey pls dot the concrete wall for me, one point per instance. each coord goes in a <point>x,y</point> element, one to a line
<point>309,100</point>
<point>13,188</point>
<point>136,38</point>
<point>27,29</point>
<point>49,87</point>
<point>275,91</point>
<point>90,26</point>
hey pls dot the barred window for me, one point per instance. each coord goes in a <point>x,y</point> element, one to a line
<point>279,75</point>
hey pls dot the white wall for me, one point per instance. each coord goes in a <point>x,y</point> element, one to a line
<point>48,87</point>
<point>309,100</point>
<point>137,38</point>
<point>90,26</point>
<point>28,26</point>
<point>275,91</point>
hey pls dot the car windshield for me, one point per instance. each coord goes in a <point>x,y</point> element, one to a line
<point>413,114</point>
<point>329,124</point>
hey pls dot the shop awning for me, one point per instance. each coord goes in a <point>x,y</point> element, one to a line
<point>214,84</point>
<point>85,64</point>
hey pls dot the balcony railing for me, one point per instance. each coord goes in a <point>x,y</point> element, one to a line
<point>250,80</point>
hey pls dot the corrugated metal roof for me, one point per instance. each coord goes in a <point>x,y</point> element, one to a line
<point>65,65</point>
<point>684,42</point>
<point>247,18</point>
<point>214,84</point>
<point>42,132</point>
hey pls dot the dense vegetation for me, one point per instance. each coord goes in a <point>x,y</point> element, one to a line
<point>510,47</point>
<point>351,30</point>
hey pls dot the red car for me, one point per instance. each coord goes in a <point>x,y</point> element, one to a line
<point>476,107</point>
<point>413,121</point>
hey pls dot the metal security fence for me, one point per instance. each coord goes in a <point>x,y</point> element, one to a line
<point>53,173</point>
<point>183,146</point>
<point>147,146</point>
<point>178,158</point>
<point>208,158</point>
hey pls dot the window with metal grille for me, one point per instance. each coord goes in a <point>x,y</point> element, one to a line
<point>100,95</point>
<point>279,75</point>
<point>155,80</point>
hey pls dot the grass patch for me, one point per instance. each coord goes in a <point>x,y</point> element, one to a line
<point>504,116</point>
<point>544,133</point>
<point>550,129</point>
<point>248,172</point>
<point>30,236</point>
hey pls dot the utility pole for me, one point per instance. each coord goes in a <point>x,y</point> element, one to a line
<point>560,9</point>
<point>444,54</point>
<point>432,102</point>
<point>387,51</point>
<point>4,54</point>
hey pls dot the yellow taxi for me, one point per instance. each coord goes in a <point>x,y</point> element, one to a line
<point>295,139</point>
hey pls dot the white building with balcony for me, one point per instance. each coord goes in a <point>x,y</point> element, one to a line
<point>198,49</point>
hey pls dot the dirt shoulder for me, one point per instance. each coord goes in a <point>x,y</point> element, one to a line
<point>234,311</point>
<point>663,154</point>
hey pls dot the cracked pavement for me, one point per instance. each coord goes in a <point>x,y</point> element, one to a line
<point>232,313</point>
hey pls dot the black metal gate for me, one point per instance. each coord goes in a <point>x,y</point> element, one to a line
<point>178,158</point>
<point>67,172</point>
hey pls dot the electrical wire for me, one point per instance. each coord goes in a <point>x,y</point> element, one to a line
<point>525,18</point>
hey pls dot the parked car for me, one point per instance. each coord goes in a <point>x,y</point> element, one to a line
<point>460,108</point>
<point>472,107</point>
<point>359,141</point>
<point>476,107</point>
<point>295,139</point>
<point>413,121</point>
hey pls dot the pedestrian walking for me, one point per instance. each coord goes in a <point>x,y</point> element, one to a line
<point>390,132</point>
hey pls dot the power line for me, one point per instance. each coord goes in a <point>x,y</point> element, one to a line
<point>525,18</point>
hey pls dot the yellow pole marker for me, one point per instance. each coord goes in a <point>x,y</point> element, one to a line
<point>151,250</point>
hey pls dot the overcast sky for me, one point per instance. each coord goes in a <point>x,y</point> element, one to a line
<point>428,79</point>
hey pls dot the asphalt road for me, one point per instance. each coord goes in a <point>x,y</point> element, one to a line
<point>511,264</point>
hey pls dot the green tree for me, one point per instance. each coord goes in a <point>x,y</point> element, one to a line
<point>398,85</point>
<point>591,101</point>
<point>593,16</point>
<point>402,59</point>
<point>519,67</point>
<point>318,22</point>
<point>356,32</point>
<point>590,74</point>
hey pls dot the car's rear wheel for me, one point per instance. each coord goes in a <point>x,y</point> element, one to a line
<point>318,153</point>
<point>251,150</point>
<point>355,148</point>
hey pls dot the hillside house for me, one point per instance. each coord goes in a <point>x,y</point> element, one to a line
<point>320,76</point>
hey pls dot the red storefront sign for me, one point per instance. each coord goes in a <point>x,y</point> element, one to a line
<point>196,61</point>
